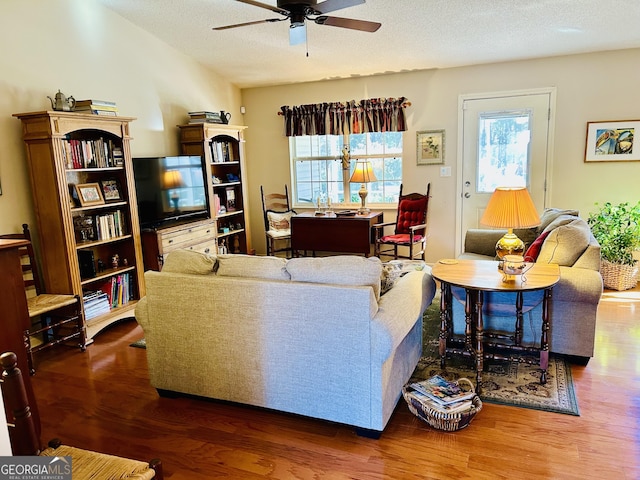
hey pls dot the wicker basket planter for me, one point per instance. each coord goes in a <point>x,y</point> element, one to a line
<point>617,276</point>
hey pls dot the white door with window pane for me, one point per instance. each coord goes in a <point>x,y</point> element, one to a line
<point>505,143</point>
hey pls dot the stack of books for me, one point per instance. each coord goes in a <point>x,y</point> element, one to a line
<point>95,303</point>
<point>442,395</point>
<point>205,117</point>
<point>96,107</point>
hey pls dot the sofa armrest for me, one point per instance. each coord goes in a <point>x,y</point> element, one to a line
<point>482,241</point>
<point>579,285</point>
<point>400,308</point>
<point>141,313</point>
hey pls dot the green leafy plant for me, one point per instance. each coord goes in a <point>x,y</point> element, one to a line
<point>617,229</point>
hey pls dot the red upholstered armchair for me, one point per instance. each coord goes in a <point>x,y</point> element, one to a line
<point>410,227</point>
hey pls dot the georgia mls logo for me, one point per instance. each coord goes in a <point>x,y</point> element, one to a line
<point>35,468</point>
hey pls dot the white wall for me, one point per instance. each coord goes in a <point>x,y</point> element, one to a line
<point>590,87</point>
<point>90,52</point>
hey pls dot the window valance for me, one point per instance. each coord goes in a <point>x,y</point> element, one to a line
<point>338,118</point>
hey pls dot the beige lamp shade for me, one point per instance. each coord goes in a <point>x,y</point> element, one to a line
<point>510,208</point>
<point>363,174</point>
<point>172,179</point>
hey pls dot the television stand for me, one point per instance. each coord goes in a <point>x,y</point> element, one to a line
<point>199,236</point>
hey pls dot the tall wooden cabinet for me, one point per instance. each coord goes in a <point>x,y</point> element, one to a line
<point>87,244</point>
<point>223,149</point>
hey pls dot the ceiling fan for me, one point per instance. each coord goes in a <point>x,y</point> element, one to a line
<point>297,11</point>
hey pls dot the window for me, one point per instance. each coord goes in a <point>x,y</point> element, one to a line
<point>503,150</point>
<point>317,167</point>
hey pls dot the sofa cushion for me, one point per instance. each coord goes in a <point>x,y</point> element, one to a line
<point>188,261</point>
<point>566,243</point>
<point>532,253</point>
<point>252,266</point>
<point>279,221</point>
<point>338,270</point>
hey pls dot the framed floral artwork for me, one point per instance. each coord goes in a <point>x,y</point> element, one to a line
<point>430,147</point>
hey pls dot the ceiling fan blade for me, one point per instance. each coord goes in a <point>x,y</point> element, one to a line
<point>264,5</point>
<point>351,23</point>
<point>298,34</point>
<point>333,5</point>
<point>268,20</point>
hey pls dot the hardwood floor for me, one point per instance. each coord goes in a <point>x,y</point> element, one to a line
<point>102,400</point>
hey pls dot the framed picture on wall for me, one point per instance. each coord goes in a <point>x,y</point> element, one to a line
<point>612,141</point>
<point>430,145</point>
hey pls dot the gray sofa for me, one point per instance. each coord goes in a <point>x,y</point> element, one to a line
<point>310,336</point>
<point>575,297</point>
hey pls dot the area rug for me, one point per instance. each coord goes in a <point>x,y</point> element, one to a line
<point>142,343</point>
<point>503,382</point>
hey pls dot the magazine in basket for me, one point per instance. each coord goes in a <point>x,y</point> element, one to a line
<point>442,391</point>
<point>461,406</point>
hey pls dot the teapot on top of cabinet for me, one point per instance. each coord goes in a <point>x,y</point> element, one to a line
<point>62,103</point>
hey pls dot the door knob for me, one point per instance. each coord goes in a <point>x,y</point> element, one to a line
<point>467,195</point>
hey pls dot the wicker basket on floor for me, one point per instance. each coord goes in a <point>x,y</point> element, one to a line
<point>449,422</point>
<point>617,276</point>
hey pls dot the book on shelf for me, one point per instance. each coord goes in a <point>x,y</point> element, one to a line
<point>96,153</point>
<point>101,103</point>
<point>110,225</point>
<point>118,290</point>
<point>442,391</point>
<point>205,117</point>
<point>95,303</point>
<point>97,111</point>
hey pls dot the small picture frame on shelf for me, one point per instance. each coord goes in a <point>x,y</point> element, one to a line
<point>111,191</point>
<point>231,199</point>
<point>89,194</point>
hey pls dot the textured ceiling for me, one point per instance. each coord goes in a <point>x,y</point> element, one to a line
<point>415,35</point>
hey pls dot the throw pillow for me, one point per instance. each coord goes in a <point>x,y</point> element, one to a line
<point>550,214</point>
<point>390,275</point>
<point>565,244</point>
<point>531,255</point>
<point>279,220</point>
<point>338,270</point>
<point>252,266</point>
<point>188,261</point>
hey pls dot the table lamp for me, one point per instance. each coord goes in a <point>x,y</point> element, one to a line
<point>172,180</point>
<point>363,174</point>
<point>510,207</point>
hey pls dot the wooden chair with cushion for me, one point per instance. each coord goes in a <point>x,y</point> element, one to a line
<point>410,227</point>
<point>54,318</point>
<point>85,464</point>
<point>277,221</point>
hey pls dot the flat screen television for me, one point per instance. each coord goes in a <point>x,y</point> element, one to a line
<point>170,190</point>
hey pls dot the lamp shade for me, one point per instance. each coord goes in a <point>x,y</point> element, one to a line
<point>510,208</point>
<point>363,173</point>
<point>172,179</point>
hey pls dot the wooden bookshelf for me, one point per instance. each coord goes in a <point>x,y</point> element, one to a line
<point>65,149</point>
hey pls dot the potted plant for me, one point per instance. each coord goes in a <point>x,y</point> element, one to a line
<point>617,229</point>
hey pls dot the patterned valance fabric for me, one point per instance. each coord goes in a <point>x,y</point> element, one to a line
<point>338,118</point>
